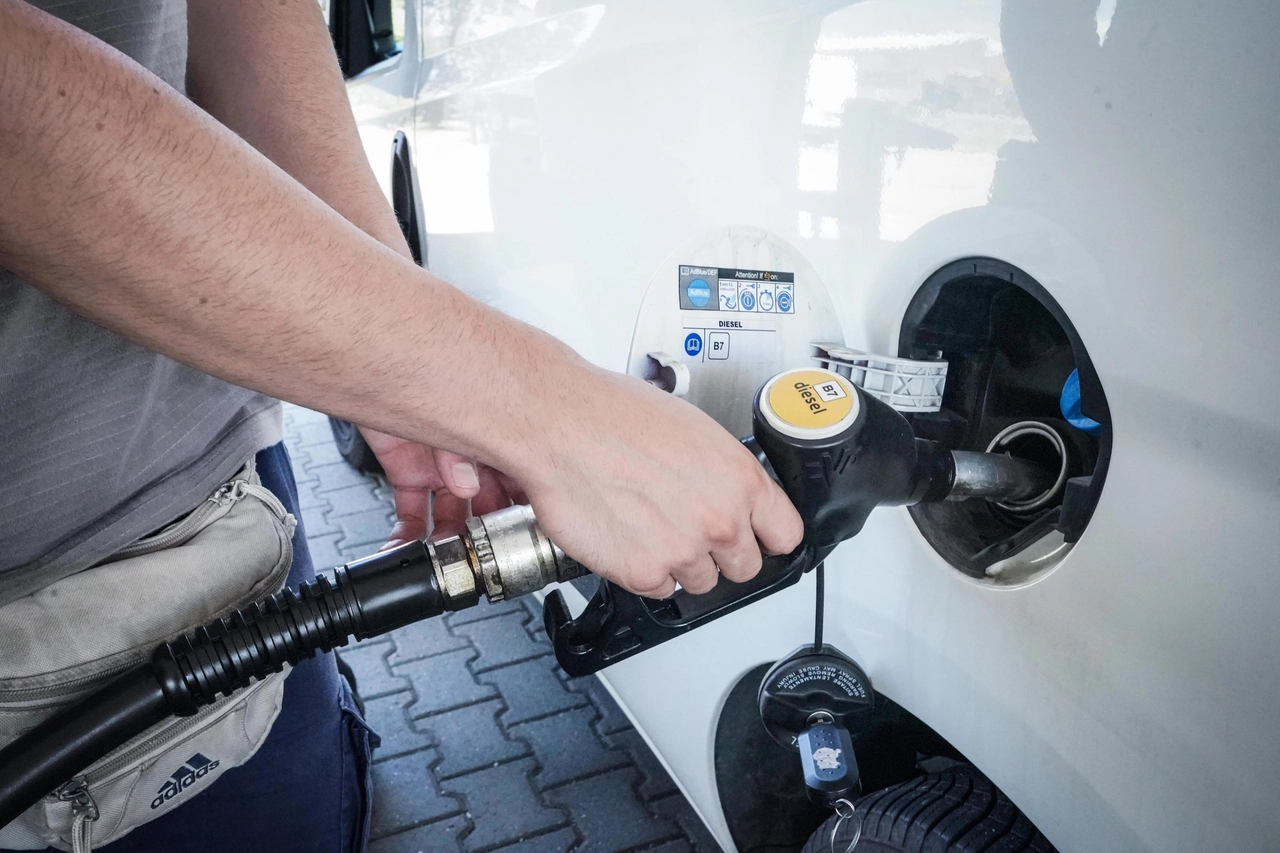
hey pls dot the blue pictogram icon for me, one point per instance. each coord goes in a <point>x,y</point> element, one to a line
<point>748,300</point>
<point>784,302</point>
<point>699,292</point>
<point>693,343</point>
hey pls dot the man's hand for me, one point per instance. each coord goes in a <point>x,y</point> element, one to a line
<point>648,518</point>
<point>416,473</point>
<point>648,491</point>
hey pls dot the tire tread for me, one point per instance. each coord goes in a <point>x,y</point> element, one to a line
<point>955,811</point>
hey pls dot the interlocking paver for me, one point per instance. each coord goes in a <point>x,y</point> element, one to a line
<point>452,696</point>
<point>607,813</point>
<point>655,781</point>
<point>324,453</point>
<point>438,837</point>
<point>373,676</point>
<point>560,841</point>
<point>470,738</point>
<point>443,682</point>
<point>324,551</point>
<point>566,748</point>
<point>677,846</point>
<point>296,416</point>
<point>503,805</point>
<point>340,476</point>
<point>388,716</point>
<point>676,808</point>
<point>424,639</point>
<point>308,498</point>
<point>315,432</point>
<point>369,528</point>
<point>298,461</point>
<point>501,640</point>
<point>354,552</point>
<point>612,718</point>
<point>407,794</point>
<point>352,499</point>
<point>316,520</point>
<point>483,610</point>
<point>532,690</point>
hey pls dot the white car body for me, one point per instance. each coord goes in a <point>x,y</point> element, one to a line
<point>1123,153</point>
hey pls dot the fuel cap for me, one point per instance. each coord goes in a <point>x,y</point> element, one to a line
<point>809,403</point>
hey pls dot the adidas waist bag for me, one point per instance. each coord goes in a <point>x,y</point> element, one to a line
<point>72,637</point>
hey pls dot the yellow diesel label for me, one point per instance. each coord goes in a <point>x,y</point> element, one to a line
<point>810,399</point>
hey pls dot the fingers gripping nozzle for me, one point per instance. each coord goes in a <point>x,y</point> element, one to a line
<point>838,453</point>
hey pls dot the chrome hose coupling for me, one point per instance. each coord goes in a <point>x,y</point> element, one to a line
<point>503,554</point>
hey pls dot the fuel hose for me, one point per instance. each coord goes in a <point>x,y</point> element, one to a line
<point>501,555</point>
<point>364,599</point>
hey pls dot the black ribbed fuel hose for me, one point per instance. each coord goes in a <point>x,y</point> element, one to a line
<point>365,599</point>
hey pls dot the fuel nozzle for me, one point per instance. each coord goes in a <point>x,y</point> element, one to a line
<point>840,452</point>
<point>837,451</point>
<point>502,554</point>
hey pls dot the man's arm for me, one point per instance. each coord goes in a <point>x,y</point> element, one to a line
<point>135,208</point>
<point>268,71</point>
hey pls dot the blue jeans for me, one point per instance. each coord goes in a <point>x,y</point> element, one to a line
<point>308,788</point>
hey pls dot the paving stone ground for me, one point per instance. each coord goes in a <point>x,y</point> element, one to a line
<point>486,745</point>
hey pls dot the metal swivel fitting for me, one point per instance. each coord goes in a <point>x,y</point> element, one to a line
<point>503,554</point>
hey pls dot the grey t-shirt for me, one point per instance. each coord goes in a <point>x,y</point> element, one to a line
<point>102,441</point>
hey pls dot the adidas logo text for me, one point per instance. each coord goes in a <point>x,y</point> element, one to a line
<point>196,767</point>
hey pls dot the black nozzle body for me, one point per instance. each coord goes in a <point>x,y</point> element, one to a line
<point>836,482</point>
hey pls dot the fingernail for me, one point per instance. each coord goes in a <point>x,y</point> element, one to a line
<point>391,543</point>
<point>465,476</point>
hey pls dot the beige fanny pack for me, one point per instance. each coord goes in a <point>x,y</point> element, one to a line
<point>65,641</point>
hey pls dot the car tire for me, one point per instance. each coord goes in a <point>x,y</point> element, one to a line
<point>957,811</point>
<point>353,447</point>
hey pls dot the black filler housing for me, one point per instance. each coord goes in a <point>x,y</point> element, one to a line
<point>1010,348</point>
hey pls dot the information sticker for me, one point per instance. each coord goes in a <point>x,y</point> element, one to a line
<point>736,291</point>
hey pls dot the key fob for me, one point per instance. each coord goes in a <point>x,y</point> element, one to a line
<point>830,768</point>
<point>808,701</point>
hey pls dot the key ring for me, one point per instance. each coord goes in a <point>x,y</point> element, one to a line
<point>845,811</point>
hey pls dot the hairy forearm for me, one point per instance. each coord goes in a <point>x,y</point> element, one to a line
<point>267,70</point>
<point>132,206</point>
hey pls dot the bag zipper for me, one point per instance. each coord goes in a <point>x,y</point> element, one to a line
<point>227,495</point>
<point>172,733</point>
<point>216,504</point>
<point>84,811</point>
<point>32,694</point>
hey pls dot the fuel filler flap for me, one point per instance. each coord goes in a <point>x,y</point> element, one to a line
<point>724,313</point>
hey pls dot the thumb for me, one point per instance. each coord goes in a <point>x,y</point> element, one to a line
<point>459,474</point>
